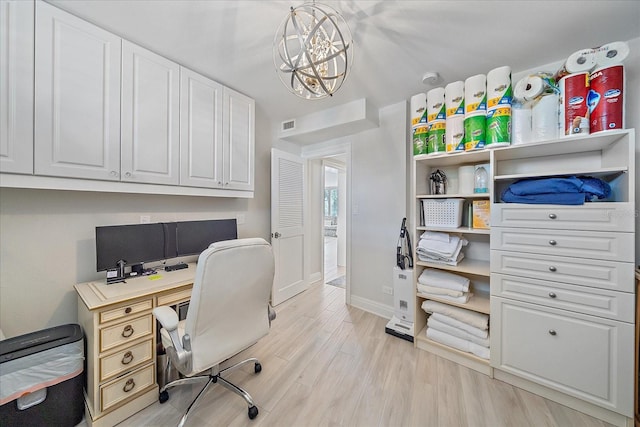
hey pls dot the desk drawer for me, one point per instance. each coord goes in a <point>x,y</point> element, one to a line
<point>591,216</point>
<point>580,299</point>
<point>618,276</point>
<point>125,311</point>
<point>174,297</point>
<point>126,359</point>
<point>126,387</point>
<point>580,244</point>
<point>125,332</point>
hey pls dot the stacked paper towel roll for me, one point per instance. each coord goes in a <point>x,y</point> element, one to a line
<point>531,92</point>
<point>499,107</point>
<point>436,121</point>
<point>454,105</point>
<point>419,129</point>
<point>475,116</point>
<point>521,128</point>
<point>545,123</point>
<point>578,62</point>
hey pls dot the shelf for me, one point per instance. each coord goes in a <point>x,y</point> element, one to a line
<point>598,173</point>
<point>451,159</point>
<point>465,230</point>
<point>477,302</point>
<point>454,196</point>
<point>461,357</point>
<point>467,265</point>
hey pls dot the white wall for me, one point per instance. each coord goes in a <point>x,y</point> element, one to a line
<point>47,238</point>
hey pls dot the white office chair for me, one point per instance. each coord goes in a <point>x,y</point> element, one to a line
<point>229,311</point>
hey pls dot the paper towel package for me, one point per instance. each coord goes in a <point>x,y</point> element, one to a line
<point>521,132</point>
<point>574,112</point>
<point>475,117</point>
<point>544,118</point>
<point>499,107</point>
<point>454,107</point>
<point>418,109</point>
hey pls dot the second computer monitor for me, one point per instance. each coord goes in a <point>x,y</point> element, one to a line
<point>193,237</point>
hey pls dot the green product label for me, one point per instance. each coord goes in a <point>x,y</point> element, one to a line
<point>420,140</point>
<point>498,130</point>
<point>475,132</point>
<point>436,142</point>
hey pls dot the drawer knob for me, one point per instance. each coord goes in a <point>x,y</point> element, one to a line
<point>553,216</point>
<point>127,331</point>
<point>552,332</point>
<point>129,385</point>
<point>552,295</point>
<point>552,268</point>
<point>127,310</point>
<point>127,358</point>
<point>552,242</point>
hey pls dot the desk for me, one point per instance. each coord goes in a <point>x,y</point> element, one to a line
<point>121,341</point>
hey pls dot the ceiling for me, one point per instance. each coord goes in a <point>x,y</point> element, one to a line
<point>395,41</point>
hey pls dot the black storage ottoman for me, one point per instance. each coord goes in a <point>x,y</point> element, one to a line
<point>42,378</point>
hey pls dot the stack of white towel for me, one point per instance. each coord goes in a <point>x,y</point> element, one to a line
<point>441,248</point>
<point>443,285</point>
<point>458,328</point>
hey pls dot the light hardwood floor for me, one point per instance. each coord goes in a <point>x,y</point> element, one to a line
<point>327,364</point>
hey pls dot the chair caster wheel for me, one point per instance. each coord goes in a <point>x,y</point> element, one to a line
<point>253,412</point>
<point>164,396</point>
<point>257,368</point>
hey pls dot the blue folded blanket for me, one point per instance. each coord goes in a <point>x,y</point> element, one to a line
<point>558,191</point>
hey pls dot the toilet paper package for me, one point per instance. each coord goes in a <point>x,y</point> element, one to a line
<point>436,143</point>
<point>499,107</point>
<point>606,99</point>
<point>544,118</point>
<point>475,117</point>
<point>521,127</point>
<point>574,112</point>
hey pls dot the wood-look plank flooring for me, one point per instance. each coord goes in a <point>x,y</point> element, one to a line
<point>327,364</point>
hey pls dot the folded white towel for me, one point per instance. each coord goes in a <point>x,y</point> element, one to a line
<point>434,323</point>
<point>475,319</point>
<point>436,290</point>
<point>445,261</point>
<point>459,343</point>
<point>443,279</point>
<point>481,333</point>
<point>460,300</point>
<point>446,249</point>
<point>436,235</point>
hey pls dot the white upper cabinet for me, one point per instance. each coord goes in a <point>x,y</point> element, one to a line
<point>150,117</point>
<point>200,131</point>
<point>16,86</point>
<point>239,141</point>
<point>77,97</point>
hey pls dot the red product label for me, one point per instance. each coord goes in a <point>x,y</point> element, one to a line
<point>606,102</point>
<point>575,90</point>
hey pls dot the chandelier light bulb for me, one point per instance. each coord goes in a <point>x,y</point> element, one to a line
<point>313,51</point>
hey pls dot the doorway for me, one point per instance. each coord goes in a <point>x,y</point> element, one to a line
<point>334,227</point>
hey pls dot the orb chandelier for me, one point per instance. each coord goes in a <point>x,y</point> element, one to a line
<point>313,51</point>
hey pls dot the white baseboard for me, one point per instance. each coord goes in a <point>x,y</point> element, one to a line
<point>373,307</point>
<point>315,277</point>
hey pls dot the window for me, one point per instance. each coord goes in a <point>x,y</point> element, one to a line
<point>331,202</point>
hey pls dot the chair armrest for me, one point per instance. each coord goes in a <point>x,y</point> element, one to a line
<point>167,317</point>
<point>180,353</point>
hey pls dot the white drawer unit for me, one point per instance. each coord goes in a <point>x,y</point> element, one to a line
<point>580,299</point>
<point>581,244</point>
<point>126,359</point>
<point>127,387</point>
<point>126,332</point>
<point>584,356</point>
<point>579,271</point>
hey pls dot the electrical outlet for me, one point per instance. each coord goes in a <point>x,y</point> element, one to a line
<point>145,219</point>
<point>387,290</point>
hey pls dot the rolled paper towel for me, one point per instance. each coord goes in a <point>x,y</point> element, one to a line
<point>544,118</point>
<point>475,117</point>
<point>578,62</point>
<point>533,86</point>
<point>521,124</point>
<point>574,111</point>
<point>499,107</point>
<point>418,109</point>
<point>466,179</point>
<point>454,99</point>
<point>454,107</point>
<point>606,98</point>
<point>454,135</point>
<point>611,54</point>
<point>419,138</point>
<point>436,121</point>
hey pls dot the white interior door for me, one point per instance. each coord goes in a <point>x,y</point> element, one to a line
<point>287,224</point>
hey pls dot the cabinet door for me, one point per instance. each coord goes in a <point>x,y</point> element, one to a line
<point>150,117</point>
<point>200,130</point>
<point>239,140</point>
<point>77,97</point>
<point>16,86</point>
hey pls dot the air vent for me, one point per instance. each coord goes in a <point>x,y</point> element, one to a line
<point>288,125</point>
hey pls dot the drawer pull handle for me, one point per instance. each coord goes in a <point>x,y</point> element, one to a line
<point>127,310</point>
<point>552,295</point>
<point>129,385</point>
<point>553,216</point>
<point>552,332</point>
<point>127,358</point>
<point>127,331</point>
<point>552,242</point>
<point>552,268</point>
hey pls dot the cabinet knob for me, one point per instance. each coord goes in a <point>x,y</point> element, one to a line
<point>553,216</point>
<point>552,268</point>
<point>129,385</point>
<point>127,174</point>
<point>552,295</point>
<point>113,173</point>
<point>219,182</point>
<point>127,331</point>
<point>127,358</point>
<point>552,332</point>
<point>552,242</point>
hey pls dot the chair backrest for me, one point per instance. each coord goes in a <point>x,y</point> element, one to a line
<point>228,311</point>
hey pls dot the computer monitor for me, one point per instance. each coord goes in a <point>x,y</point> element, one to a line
<point>135,244</point>
<point>193,237</point>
